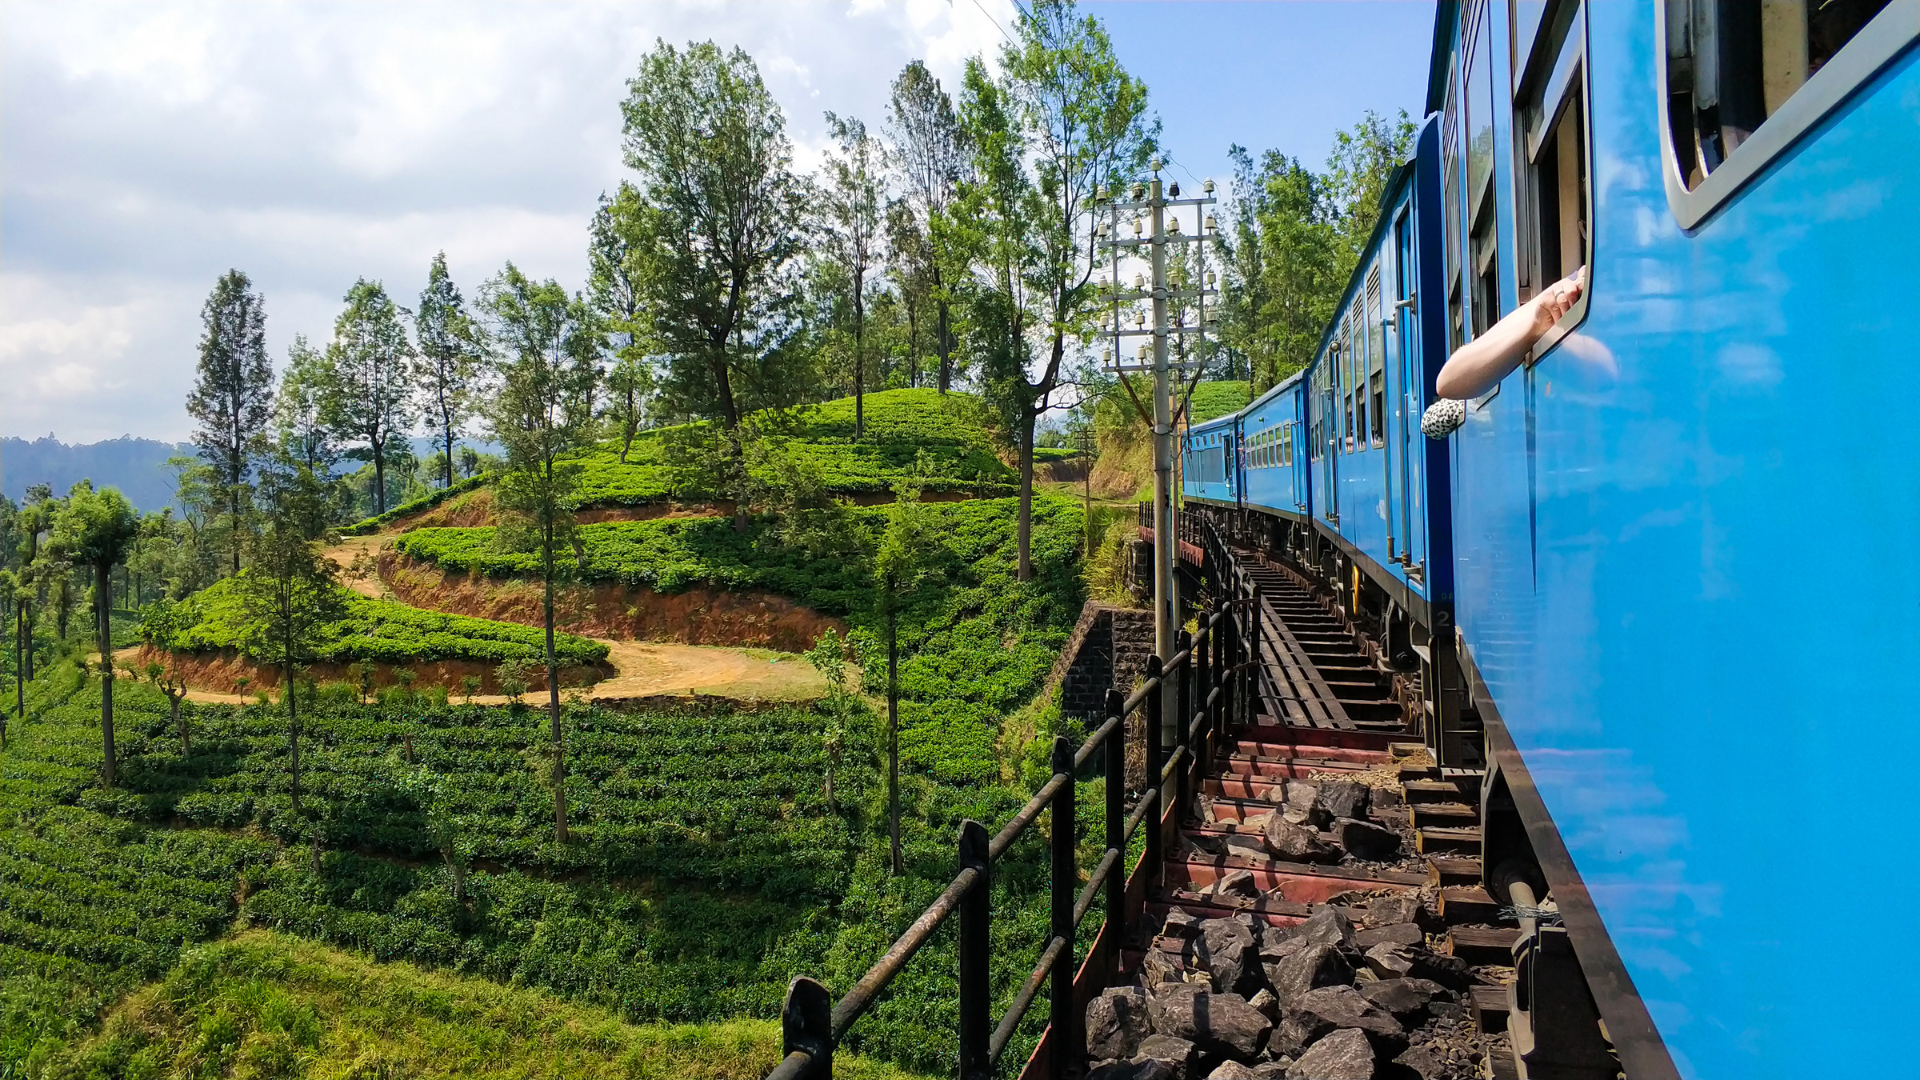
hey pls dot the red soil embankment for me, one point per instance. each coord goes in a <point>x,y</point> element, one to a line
<point>221,672</point>
<point>697,616</point>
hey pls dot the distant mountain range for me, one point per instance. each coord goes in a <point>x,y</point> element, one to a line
<point>138,467</point>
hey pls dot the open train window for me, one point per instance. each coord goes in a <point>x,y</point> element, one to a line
<point>1553,160</point>
<point>1483,239</point>
<point>1745,78</point>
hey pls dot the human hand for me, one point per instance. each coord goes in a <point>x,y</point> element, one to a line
<point>1556,299</point>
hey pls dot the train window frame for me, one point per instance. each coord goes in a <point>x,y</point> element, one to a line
<point>1552,91</point>
<point>1878,43</point>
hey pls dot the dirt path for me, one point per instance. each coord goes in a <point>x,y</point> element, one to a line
<point>641,668</point>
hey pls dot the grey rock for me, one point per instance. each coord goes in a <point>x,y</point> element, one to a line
<point>1365,840</point>
<point>1309,969</point>
<point>1248,846</point>
<point>1276,938</point>
<point>1237,883</point>
<point>1218,1023</point>
<point>1342,1055</point>
<point>1425,1061</point>
<point>1387,797</point>
<point>1344,799</point>
<point>1160,968</point>
<point>1327,927</point>
<point>1133,1070</point>
<point>1296,843</point>
<point>1181,923</point>
<point>1272,1070</point>
<point>1225,950</point>
<point>1232,1070</point>
<point>1268,1005</point>
<point>1390,960</point>
<point>1116,1022</point>
<point>1398,908</point>
<point>1449,971</point>
<point>1330,1007</point>
<point>1406,999</point>
<point>1303,804</point>
<point>1180,1056</point>
<point>1289,1040</point>
<point>1405,933</point>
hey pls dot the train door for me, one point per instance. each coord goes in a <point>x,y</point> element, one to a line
<point>1330,452</point>
<point>1412,394</point>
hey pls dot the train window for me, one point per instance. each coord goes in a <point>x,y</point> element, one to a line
<point>1483,241</point>
<point>1551,148</point>
<point>1745,78</point>
<point>1450,171</point>
<point>1376,329</point>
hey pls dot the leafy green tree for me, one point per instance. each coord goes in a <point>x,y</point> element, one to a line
<point>161,625</point>
<point>369,396</point>
<point>450,357</point>
<point>930,151</point>
<point>299,410</point>
<point>1363,157</point>
<point>1283,266</point>
<point>96,529</point>
<point>853,197</point>
<point>617,295</point>
<point>232,396</point>
<point>1061,120</point>
<point>289,591</point>
<point>543,415</point>
<point>715,230</point>
<point>197,491</point>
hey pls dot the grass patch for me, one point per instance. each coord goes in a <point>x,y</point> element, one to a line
<point>369,526</point>
<point>905,430</point>
<point>385,631</point>
<point>268,1005</point>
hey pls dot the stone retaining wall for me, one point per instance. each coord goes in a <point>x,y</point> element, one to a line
<point>1109,648</point>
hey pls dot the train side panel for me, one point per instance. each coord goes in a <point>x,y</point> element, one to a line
<point>1680,538</point>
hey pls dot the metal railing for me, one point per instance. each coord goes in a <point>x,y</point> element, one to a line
<point>1207,679</point>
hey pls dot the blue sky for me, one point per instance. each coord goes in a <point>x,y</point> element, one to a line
<point>146,148</point>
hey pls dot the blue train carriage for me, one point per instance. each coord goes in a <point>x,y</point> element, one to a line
<point>1643,632</point>
<point>1274,467</point>
<point>1210,461</point>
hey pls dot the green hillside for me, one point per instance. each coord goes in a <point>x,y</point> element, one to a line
<point>383,631</point>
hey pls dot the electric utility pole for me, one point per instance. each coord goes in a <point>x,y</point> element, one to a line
<point>1158,214</point>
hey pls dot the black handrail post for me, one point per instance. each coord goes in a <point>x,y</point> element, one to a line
<point>1253,652</point>
<point>1183,647</point>
<point>975,910</point>
<point>806,1024</point>
<point>1066,879</point>
<point>1221,667</point>
<point>1116,751</point>
<point>1154,698</point>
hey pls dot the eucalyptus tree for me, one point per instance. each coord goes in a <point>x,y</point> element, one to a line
<point>715,231</point>
<point>450,358</point>
<point>614,266</point>
<point>289,591</point>
<point>930,151</point>
<point>372,365</point>
<point>853,194</point>
<point>1059,121</point>
<point>96,529</point>
<point>300,408</point>
<point>232,396</point>
<point>548,346</point>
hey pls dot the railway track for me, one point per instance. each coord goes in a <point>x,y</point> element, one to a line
<point>1433,1002</point>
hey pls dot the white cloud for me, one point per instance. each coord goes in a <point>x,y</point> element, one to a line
<point>145,149</point>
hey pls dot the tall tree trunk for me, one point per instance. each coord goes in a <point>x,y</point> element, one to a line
<point>1029,417</point>
<point>913,345</point>
<point>859,354</point>
<point>446,422</point>
<point>103,603</point>
<point>553,692</point>
<point>379,474</point>
<point>27,665</point>
<point>628,425</point>
<point>293,720</point>
<point>186,743</point>
<point>233,508</point>
<point>944,340</point>
<point>893,738</point>
<point>20,656</point>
